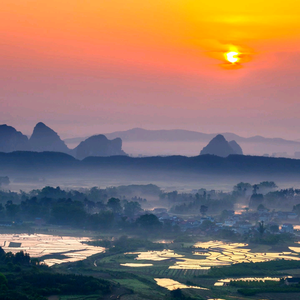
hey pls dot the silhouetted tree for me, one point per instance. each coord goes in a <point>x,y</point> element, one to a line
<point>115,205</point>
<point>261,228</point>
<point>149,222</point>
<point>203,209</point>
<point>131,208</point>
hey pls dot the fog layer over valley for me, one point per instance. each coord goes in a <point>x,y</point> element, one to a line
<point>100,224</point>
<point>179,171</point>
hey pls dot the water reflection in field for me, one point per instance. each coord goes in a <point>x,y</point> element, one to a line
<point>222,282</point>
<point>171,284</point>
<point>134,265</point>
<point>216,253</point>
<point>66,248</point>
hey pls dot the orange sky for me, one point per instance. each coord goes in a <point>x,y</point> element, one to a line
<point>93,66</point>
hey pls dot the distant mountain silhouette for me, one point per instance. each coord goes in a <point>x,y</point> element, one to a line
<point>12,140</point>
<point>42,163</point>
<point>139,134</point>
<point>236,147</point>
<point>98,145</point>
<point>256,145</point>
<point>45,139</point>
<point>220,147</point>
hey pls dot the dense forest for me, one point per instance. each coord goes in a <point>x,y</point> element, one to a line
<point>24,278</point>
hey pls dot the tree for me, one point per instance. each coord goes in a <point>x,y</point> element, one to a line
<point>177,294</point>
<point>115,205</point>
<point>261,228</point>
<point>104,219</point>
<point>206,224</point>
<point>261,207</point>
<point>68,212</point>
<point>11,209</point>
<point>255,188</point>
<point>225,214</point>
<point>203,209</point>
<point>149,222</point>
<point>268,185</point>
<point>274,228</point>
<point>296,209</point>
<point>255,200</point>
<point>132,208</point>
<point>3,280</point>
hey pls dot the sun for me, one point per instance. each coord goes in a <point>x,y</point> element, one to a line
<point>232,56</point>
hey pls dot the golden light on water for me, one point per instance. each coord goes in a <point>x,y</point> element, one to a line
<point>232,57</point>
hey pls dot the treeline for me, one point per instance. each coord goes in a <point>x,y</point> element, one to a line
<point>67,211</point>
<point>86,214</point>
<point>93,194</point>
<point>213,206</point>
<point>126,244</point>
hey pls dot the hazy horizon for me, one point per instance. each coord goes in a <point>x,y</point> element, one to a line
<point>83,131</point>
<point>155,65</point>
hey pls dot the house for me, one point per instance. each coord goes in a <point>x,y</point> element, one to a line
<point>292,216</point>
<point>229,223</point>
<point>287,228</point>
<point>243,228</point>
<point>159,210</point>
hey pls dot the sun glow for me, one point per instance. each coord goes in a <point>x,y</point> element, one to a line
<point>232,57</point>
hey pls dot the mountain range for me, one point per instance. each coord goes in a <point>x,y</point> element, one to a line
<point>180,135</point>
<point>144,142</point>
<point>44,138</point>
<point>138,138</point>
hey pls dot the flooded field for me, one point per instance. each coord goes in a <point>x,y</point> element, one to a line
<point>222,282</point>
<point>156,255</point>
<point>216,253</point>
<point>67,248</point>
<point>133,265</point>
<point>171,284</point>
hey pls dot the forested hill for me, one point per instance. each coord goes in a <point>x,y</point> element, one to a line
<point>233,164</point>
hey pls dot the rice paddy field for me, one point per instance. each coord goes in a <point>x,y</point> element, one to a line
<point>187,268</point>
<point>172,285</point>
<point>152,273</point>
<point>50,248</point>
<point>211,254</point>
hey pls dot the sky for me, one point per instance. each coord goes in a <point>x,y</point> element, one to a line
<point>96,66</point>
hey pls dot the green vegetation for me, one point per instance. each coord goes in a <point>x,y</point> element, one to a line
<point>125,244</point>
<point>269,268</point>
<point>251,288</point>
<point>25,279</point>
